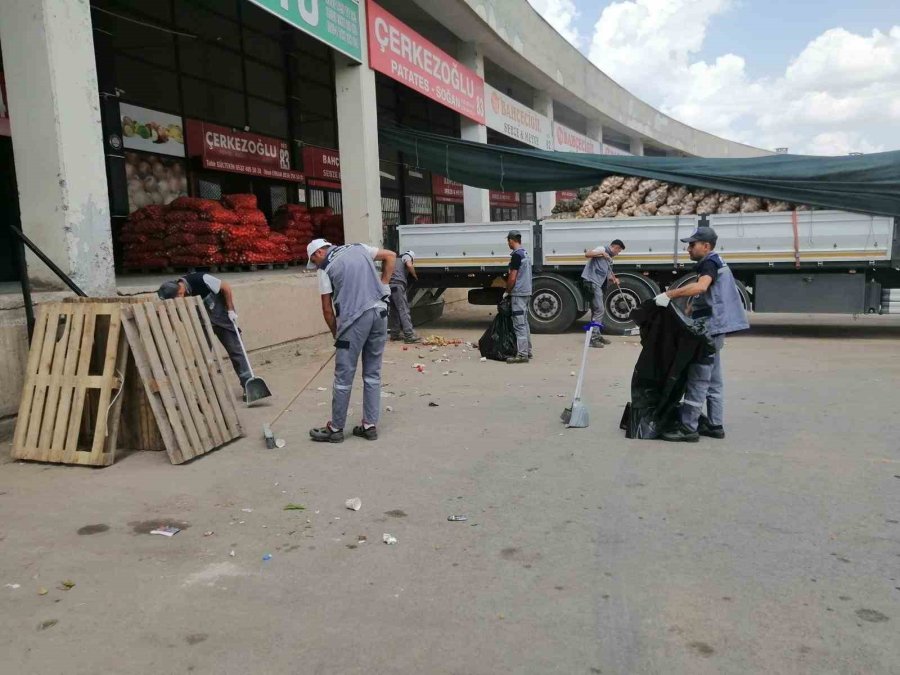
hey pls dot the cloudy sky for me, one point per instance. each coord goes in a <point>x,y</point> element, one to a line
<point>816,77</point>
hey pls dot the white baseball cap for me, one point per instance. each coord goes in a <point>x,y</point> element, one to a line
<point>312,247</point>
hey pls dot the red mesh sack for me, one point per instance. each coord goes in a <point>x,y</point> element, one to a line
<point>148,227</point>
<point>133,238</point>
<point>252,218</point>
<point>202,227</point>
<point>181,216</point>
<point>194,204</point>
<point>181,239</point>
<point>221,215</point>
<point>240,201</point>
<point>324,210</point>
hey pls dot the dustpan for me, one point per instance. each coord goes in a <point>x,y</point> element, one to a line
<point>577,415</point>
<point>255,388</point>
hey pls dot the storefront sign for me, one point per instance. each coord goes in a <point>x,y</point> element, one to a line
<point>566,195</point>
<point>4,109</point>
<point>334,22</point>
<point>322,164</point>
<point>151,130</point>
<point>508,199</point>
<point>612,150</point>
<point>224,149</point>
<point>446,190</point>
<point>511,118</point>
<point>402,54</point>
<point>566,140</point>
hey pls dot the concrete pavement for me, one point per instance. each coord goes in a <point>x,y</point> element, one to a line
<point>775,550</point>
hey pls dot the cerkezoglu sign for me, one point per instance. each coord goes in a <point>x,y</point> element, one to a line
<point>518,121</point>
<point>402,54</point>
<point>334,22</point>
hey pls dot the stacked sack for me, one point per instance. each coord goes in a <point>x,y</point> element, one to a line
<point>194,231</point>
<point>624,197</point>
<point>249,241</point>
<point>328,225</point>
<point>295,222</point>
<point>143,238</point>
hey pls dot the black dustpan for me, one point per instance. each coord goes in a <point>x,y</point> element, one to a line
<point>255,388</point>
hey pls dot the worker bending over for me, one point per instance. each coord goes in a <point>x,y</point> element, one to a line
<point>718,308</point>
<point>400,318</point>
<point>354,304</point>
<point>219,301</point>
<point>596,275</point>
<point>518,286</point>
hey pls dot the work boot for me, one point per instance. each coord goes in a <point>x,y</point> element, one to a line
<point>517,359</point>
<point>326,434</point>
<point>681,434</point>
<point>412,339</point>
<point>603,340</point>
<point>370,434</point>
<point>597,344</point>
<point>704,428</point>
<point>395,337</point>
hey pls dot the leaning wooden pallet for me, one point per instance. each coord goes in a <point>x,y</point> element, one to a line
<point>183,376</point>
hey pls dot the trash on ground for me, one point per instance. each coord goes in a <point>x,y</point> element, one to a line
<point>49,623</point>
<point>457,519</point>
<point>66,585</point>
<point>483,358</point>
<point>388,409</point>
<point>354,504</point>
<point>419,367</point>
<point>267,556</point>
<point>361,539</point>
<point>321,388</point>
<point>232,553</point>
<point>432,404</point>
<point>247,510</point>
<point>441,341</point>
<point>572,374</point>
<point>295,507</point>
<point>13,586</point>
<point>388,538</point>
<point>42,591</point>
<point>280,443</point>
<point>167,531</point>
<point>208,533</point>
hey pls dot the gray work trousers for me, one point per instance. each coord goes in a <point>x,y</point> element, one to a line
<point>598,307</point>
<point>520,324</point>
<point>400,318</point>
<point>704,385</point>
<point>365,336</point>
<point>229,340</point>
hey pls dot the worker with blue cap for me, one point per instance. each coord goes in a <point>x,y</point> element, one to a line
<point>354,305</point>
<point>717,308</point>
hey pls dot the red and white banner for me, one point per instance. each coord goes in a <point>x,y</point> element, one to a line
<point>224,149</point>
<point>508,199</point>
<point>518,121</point>
<point>566,195</point>
<point>402,54</point>
<point>566,140</point>
<point>322,165</point>
<point>446,190</point>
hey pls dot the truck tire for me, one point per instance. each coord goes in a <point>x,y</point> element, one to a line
<point>620,300</point>
<point>552,308</point>
<point>691,278</point>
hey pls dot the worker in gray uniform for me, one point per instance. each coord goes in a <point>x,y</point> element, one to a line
<point>354,305</point>
<point>718,309</point>
<point>400,318</point>
<point>597,274</point>
<point>219,301</point>
<point>518,286</point>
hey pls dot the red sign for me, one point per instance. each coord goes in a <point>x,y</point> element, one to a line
<point>509,199</point>
<point>566,195</point>
<point>4,109</point>
<point>446,190</point>
<point>323,164</point>
<point>225,149</point>
<point>402,54</point>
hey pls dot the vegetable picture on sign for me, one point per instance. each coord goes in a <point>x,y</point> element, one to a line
<point>151,130</point>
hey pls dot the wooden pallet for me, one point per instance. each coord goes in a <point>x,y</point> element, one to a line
<point>183,375</point>
<point>69,412</point>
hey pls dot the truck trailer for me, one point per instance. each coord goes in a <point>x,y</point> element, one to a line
<point>811,261</point>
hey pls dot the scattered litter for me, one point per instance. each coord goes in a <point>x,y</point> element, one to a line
<point>388,538</point>
<point>440,361</point>
<point>361,539</point>
<point>354,504</point>
<point>208,533</point>
<point>406,349</point>
<point>280,443</point>
<point>232,553</point>
<point>572,374</point>
<point>247,510</point>
<point>446,372</point>
<point>440,341</point>
<point>49,623</point>
<point>241,522</point>
<point>321,388</point>
<point>388,409</point>
<point>483,358</point>
<point>560,396</point>
<point>42,591</point>
<point>432,404</point>
<point>167,531</point>
<point>457,519</point>
<point>420,367</point>
<point>267,557</point>
<point>66,585</point>
<point>295,507</point>
<point>13,586</point>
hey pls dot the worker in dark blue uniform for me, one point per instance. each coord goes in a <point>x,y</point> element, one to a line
<point>518,286</point>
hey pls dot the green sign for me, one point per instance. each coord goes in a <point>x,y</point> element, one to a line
<point>334,22</point>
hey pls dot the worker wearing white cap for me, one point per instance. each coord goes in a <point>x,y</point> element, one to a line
<point>400,318</point>
<point>354,304</point>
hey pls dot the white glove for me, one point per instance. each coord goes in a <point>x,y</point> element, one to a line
<point>662,300</point>
<point>385,290</point>
<point>232,315</point>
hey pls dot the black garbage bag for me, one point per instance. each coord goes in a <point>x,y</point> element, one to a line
<point>671,342</point>
<point>499,340</point>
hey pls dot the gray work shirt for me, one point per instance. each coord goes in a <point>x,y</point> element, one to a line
<point>597,270</point>
<point>401,273</point>
<point>521,263</point>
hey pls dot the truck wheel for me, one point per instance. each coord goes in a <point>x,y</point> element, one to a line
<point>691,278</point>
<point>620,300</point>
<point>552,308</point>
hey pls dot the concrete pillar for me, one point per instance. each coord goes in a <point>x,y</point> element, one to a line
<point>357,118</point>
<point>545,201</point>
<point>476,202</point>
<point>637,146</point>
<point>54,109</point>
<point>595,131</point>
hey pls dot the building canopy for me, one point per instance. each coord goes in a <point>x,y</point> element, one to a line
<point>865,183</point>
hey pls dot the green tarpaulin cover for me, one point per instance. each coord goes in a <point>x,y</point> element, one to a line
<point>865,183</point>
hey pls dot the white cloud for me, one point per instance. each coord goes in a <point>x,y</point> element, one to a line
<point>562,15</point>
<point>840,94</point>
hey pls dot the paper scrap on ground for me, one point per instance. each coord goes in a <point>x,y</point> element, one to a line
<point>295,507</point>
<point>167,531</point>
<point>388,538</point>
<point>354,504</point>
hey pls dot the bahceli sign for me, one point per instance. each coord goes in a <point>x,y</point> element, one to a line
<point>401,53</point>
<point>321,163</point>
<point>518,121</point>
<point>446,190</point>
<point>334,22</point>
<point>225,149</point>
<point>566,140</point>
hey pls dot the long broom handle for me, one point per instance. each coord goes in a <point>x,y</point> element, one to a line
<point>241,343</point>
<point>587,345</point>
<point>303,388</point>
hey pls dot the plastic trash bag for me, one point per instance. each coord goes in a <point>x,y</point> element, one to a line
<point>499,340</point>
